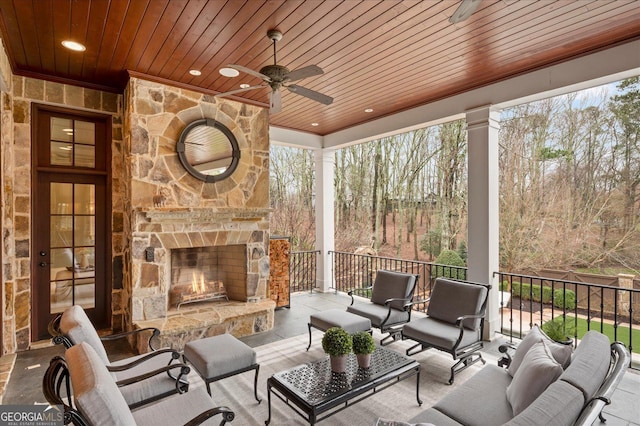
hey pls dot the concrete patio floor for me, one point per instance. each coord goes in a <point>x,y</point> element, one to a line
<point>25,381</point>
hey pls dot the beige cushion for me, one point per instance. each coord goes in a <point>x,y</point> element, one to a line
<point>536,372</point>
<point>75,324</point>
<point>561,353</point>
<point>95,393</point>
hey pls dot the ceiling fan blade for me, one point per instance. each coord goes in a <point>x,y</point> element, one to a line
<point>464,11</point>
<point>276,101</point>
<point>311,94</point>
<point>249,71</point>
<point>304,72</point>
<point>233,92</point>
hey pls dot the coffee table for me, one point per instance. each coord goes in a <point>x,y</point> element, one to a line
<point>314,392</point>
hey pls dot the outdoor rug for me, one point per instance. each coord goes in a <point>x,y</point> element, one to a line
<point>396,402</point>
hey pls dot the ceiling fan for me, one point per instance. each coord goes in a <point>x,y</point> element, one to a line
<point>278,76</point>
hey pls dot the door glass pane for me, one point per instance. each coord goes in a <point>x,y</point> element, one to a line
<point>61,129</point>
<point>61,198</point>
<point>61,231</point>
<point>85,155</point>
<point>85,132</point>
<point>84,202</point>
<point>61,153</point>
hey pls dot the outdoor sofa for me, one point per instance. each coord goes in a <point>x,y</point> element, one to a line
<point>574,396</point>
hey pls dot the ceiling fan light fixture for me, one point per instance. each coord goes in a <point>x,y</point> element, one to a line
<point>229,72</point>
<point>74,45</point>
<point>464,11</point>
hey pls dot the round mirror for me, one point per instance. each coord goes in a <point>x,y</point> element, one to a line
<point>208,150</point>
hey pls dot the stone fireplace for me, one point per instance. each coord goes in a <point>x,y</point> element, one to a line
<point>219,230</point>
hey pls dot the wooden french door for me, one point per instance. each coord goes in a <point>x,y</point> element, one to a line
<point>70,244</point>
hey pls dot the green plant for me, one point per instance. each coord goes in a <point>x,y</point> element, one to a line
<point>363,343</point>
<point>449,264</point>
<point>559,329</point>
<point>563,299</point>
<point>337,342</point>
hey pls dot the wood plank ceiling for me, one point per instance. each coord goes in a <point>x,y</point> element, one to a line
<point>385,55</point>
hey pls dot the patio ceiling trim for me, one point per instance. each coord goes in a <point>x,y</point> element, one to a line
<point>584,72</point>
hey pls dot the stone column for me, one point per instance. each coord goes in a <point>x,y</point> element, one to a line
<point>483,251</point>
<point>325,225</point>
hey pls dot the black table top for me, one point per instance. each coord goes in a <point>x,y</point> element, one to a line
<point>314,382</point>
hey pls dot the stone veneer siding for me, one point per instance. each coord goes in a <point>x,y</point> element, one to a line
<point>194,213</point>
<point>17,95</point>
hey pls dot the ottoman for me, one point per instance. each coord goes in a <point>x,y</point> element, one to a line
<point>338,318</point>
<point>218,357</point>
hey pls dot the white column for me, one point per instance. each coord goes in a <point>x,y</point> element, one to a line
<point>483,124</point>
<point>325,223</point>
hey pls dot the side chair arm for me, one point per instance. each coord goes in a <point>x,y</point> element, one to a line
<point>184,370</point>
<point>227,416</point>
<point>358,290</point>
<point>122,367</point>
<point>505,360</point>
<point>54,331</point>
<point>154,333</point>
<point>465,317</point>
<point>407,302</point>
<point>460,325</point>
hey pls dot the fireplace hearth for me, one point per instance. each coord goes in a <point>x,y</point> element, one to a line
<point>226,250</point>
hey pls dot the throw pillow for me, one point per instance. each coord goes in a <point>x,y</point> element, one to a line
<point>561,353</point>
<point>538,370</point>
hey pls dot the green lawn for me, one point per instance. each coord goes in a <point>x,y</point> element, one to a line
<point>608,330</point>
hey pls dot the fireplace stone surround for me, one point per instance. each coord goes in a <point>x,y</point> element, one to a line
<point>167,208</point>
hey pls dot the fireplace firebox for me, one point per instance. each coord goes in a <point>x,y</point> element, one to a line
<point>200,274</point>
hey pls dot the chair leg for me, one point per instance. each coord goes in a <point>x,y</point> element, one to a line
<point>391,337</point>
<point>412,350</point>
<point>309,325</point>
<point>465,362</point>
<point>255,385</point>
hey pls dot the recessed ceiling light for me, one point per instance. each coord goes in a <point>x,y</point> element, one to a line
<point>244,86</point>
<point>195,72</point>
<point>74,45</point>
<point>229,72</point>
<point>315,124</point>
<point>368,110</point>
<point>67,130</point>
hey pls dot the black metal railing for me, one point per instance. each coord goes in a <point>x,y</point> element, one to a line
<point>352,270</point>
<point>526,300</point>
<point>302,270</point>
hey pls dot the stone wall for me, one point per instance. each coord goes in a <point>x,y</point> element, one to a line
<point>193,213</point>
<point>17,95</point>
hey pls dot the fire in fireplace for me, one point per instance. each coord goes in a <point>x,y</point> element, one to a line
<point>202,290</point>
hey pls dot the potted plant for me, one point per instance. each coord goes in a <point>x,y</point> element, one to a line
<point>559,330</point>
<point>363,347</point>
<point>337,343</point>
